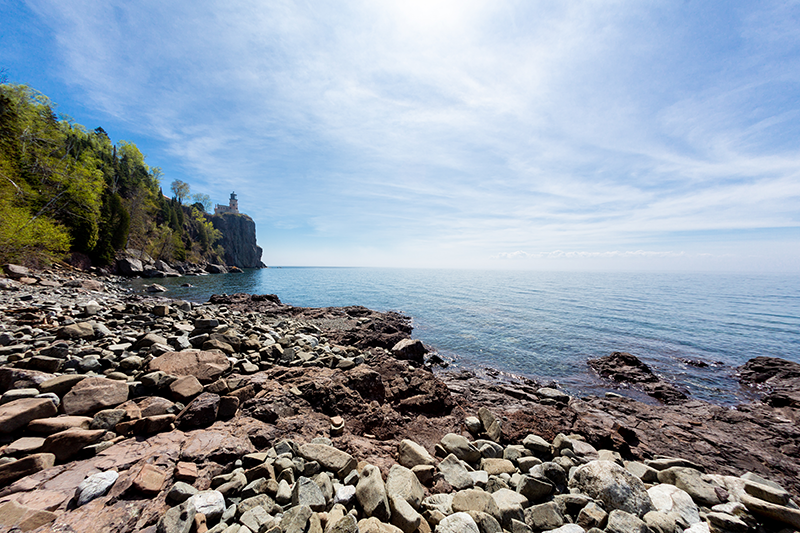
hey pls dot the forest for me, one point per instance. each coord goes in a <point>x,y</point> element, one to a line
<point>69,193</point>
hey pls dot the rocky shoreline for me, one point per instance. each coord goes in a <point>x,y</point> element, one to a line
<point>121,412</point>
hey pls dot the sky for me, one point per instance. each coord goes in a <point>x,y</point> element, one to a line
<point>531,134</point>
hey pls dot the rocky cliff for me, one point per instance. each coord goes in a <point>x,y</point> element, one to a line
<point>238,239</point>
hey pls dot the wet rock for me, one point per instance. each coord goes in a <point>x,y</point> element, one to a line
<point>623,367</point>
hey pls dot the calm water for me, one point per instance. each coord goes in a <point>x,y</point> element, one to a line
<point>547,324</point>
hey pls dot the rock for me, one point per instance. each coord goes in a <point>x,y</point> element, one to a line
<point>186,472</point>
<point>404,516</point>
<point>533,488</point>
<point>555,395</point>
<point>79,330</point>
<point>346,524</point>
<point>544,516</point>
<point>306,492</point>
<point>592,515</point>
<point>457,523</point>
<point>257,519</point>
<point>780,379</point>
<point>537,445</point>
<point>200,413</point>
<point>373,525</point>
<point>491,424</point>
<point>614,486</point>
<point>642,471</point>
<point>66,444</point>
<point>149,480</point>
<point>26,466</point>
<point>155,287</point>
<point>403,483</point>
<point>238,240</point>
<point>18,413</point>
<point>623,367</point>
<point>16,271</point>
<point>690,480</point>
<point>770,493</point>
<point>295,520</point>
<point>510,505</point>
<point>455,473</point>
<point>60,385</point>
<point>129,266</point>
<point>179,519</point>
<point>330,458</point>
<point>785,515</point>
<point>476,500</point>
<point>371,494</point>
<point>95,486</point>
<point>495,467</point>
<point>460,447</point>
<point>25,445</point>
<point>621,522</point>
<point>670,499</point>
<point>411,454</point>
<point>180,492</point>
<point>48,426</point>
<point>93,394</point>
<point>209,502</point>
<point>410,350</point>
<point>185,388</point>
<point>205,366</point>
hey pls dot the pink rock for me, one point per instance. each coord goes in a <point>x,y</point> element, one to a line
<point>69,442</point>
<point>149,480</point>
<point>48,426</point>
<point>185,388</point>
<point>31,464</point>
<point>206,366</point>
<point>93,394</point>
<point>16,414</point>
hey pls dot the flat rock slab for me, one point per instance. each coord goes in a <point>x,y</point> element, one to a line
<point>48,426</point>
<point>66,444</point>
<point>31,464</point>
<point>94,394</point>
<point>206,366</point>
<point>18,413</point>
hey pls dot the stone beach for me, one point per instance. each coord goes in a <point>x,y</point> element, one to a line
<point>123,412</point>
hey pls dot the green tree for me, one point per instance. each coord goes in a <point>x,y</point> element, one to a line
<point>180,189</point>
<point>204,200</point>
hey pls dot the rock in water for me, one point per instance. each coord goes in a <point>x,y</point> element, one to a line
<point>623,367</point>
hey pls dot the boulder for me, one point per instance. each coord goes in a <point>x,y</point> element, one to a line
<point>330,458</point>
<point>670,499</point>
<point>66,444</point>
<point>614,486</point>
<point>455,473</point>
<point>200,413</point>
<point>410,350</point>
<point>403,483</point>
<point>95,486</point>
<point>18,413</point>
<point>460,447</point>
<point>457,523</point>
<point>129,266</point>
<point>411,454</point>
<point>205,366</point>
<point>94,394</point>
<point>371,494</point>
<point>26,466</point>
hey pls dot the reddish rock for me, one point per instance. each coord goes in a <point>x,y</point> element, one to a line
<point>206,366</point>
<point>185,388</point>
<point>61,384</point>
<point>10,375</point>
<point>66,444</point>
<point>200,413</point>
<point>48,426</point>
<point>186,472</point>
<point>25,445</point>
<point>18,413</point>
<point>146,426</point>
<point>215,445</point>
<point>93,394</point>
<point>149,480</point>
<point>625,368</point>
<point>228,406</point>
<point>31,464</point>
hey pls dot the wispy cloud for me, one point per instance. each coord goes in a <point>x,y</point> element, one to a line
<point>457,128</point>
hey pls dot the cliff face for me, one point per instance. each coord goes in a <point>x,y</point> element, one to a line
<point>238,239</point>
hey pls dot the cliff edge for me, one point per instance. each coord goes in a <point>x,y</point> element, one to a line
<point>238,239</point>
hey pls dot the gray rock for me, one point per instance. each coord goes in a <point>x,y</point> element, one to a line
<point>442,503</point>
<point>339,462</point>
<point>510,505</point>
<point>660,522</point>
<point>670,499</point>
<point>403,483</point>
<point>690,480</point>
<point>614,486</point>
<point>534,489</point>
<point>256,520</point>
<point>209,502</point>
<point>346,524</point>
<point>476,500</point>
<point>404,515</point>
<point>621,522</point>
<point>95,486</point>
<point>371,494</point>
<point>295,520</point>
<point>344,494</point>
<point>457,523</point>
<point>460,447</point>
<point>642,471</point>
<point>179,519</point>
<point>306,492</point>
<point>455,473</point>
<point>411,454</point>
<point>592,516</point>
<point>180,492</point>
<point>544,516</point>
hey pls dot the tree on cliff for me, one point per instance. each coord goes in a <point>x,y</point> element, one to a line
<point>180,189</point>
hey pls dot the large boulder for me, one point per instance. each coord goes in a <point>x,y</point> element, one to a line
<point>371,494</point>
<point>129,266</point>
<point>614,486</point>
<point>623,367</point>
<point>206,366</point>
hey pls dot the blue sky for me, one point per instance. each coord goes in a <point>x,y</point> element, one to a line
<point>614,135</point>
